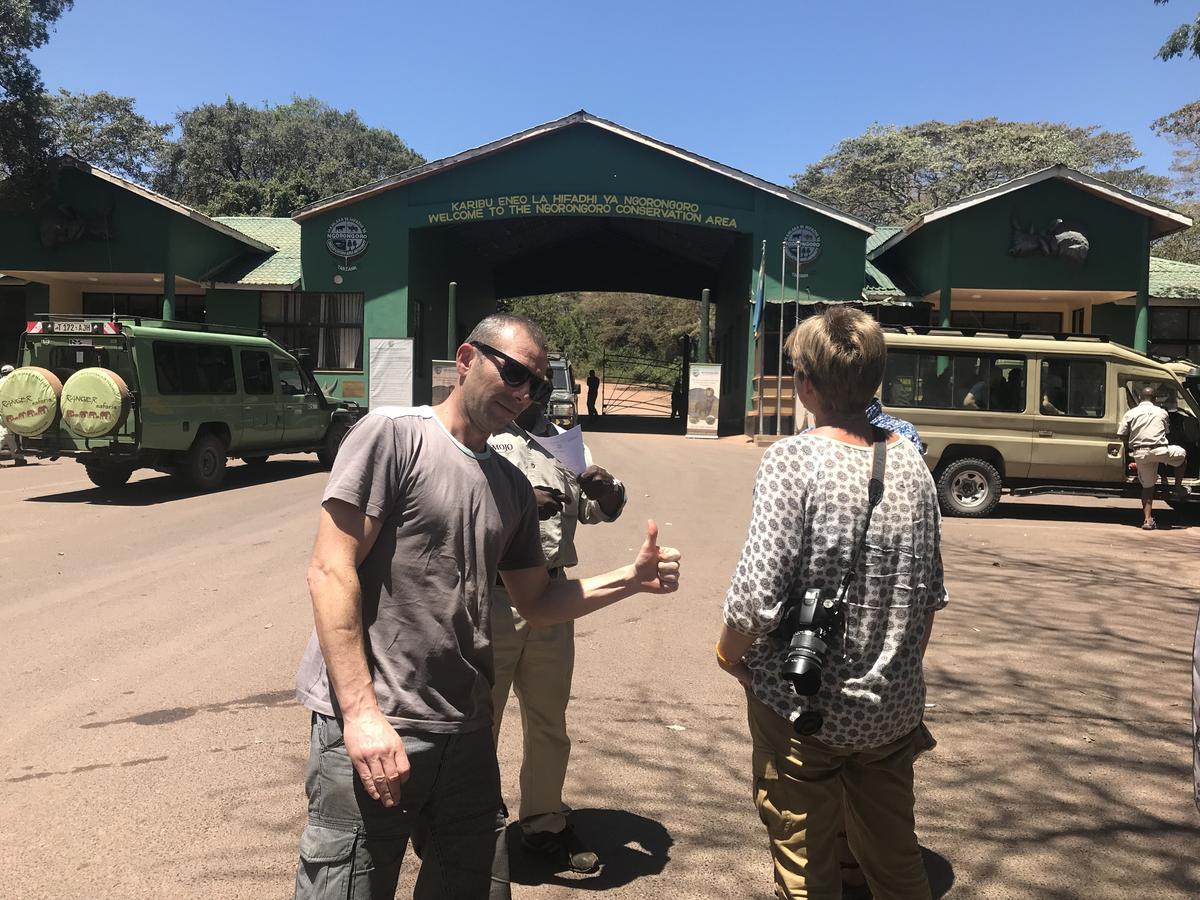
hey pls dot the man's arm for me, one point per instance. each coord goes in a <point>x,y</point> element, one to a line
<point>543,601</point>
<point>345,534</point>
<point>603,496</point>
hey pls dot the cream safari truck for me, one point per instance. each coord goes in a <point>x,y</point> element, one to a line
<point>130,393</point>
<point>1032,413</point>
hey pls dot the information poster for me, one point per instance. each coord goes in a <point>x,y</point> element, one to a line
<point>704,400</point>
<point>391,372</point>
<point>445,379</point>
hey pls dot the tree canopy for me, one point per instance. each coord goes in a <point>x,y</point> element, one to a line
<point>106,131</point>
<point>1182,129</point>
<point>1184,40</point>
<point>891,174</point>
<point>235,159</point>
<point>25,140</point>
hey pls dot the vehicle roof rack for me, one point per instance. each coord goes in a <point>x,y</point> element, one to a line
<point>969,331</point>
<point>154,323</point>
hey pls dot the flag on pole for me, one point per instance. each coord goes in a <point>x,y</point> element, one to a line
<point>758,294</point>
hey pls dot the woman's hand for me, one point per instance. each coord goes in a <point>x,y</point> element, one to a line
<point>731,650</point>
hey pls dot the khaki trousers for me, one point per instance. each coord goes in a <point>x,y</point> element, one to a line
<point>537,663</point>
<point>801,787</point>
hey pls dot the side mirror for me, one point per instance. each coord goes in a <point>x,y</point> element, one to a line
<point>574,389</point>
<point>305,358</point>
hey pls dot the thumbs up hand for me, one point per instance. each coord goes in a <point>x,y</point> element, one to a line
<point>656,568</point>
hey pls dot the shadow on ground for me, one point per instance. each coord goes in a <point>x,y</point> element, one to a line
<point>168,488</point>
<point>629,846</point>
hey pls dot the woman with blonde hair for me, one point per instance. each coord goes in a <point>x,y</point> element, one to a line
<point>826,621</point>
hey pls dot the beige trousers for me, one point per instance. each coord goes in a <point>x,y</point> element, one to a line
<point>537,664</point>
<point>801,788</point>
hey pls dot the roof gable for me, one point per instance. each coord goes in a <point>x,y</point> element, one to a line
<point>576,119</point>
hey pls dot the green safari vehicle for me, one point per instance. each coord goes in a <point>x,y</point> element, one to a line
<point>128,393</point>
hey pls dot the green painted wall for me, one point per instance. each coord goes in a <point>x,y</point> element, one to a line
<point>980,238</point>
<point>141,232</point>
<point>582,170</point>
<point>1115,321</point>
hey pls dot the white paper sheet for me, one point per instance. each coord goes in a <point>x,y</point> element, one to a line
<point>567,448</point>
<point>391,371</point>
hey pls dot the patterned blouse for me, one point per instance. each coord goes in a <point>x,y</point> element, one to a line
<point>809,500</point>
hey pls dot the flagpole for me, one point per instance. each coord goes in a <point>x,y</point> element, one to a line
<point>779,363</point>
<point>760,355</point>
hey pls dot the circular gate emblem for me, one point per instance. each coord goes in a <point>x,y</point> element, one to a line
<point>346,239</point>
<point>802,244</point>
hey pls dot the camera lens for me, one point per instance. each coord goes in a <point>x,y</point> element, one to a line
<point>804,661</point>
<point>808,722</point>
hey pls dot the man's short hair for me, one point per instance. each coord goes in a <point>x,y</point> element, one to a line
<point>842,352</point>
<point>1149,392</point>
<point>491,329</point>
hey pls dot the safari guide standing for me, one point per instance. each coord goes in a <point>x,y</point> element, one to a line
<point>417,519</point>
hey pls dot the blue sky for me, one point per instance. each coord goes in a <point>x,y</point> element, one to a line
<point>764,86</point>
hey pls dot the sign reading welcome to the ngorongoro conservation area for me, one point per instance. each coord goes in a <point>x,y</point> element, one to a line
<point>482,209</point>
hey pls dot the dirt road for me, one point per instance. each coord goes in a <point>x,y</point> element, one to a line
<point>151,746</point>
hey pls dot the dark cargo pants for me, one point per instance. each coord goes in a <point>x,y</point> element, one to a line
<point>450,806</point>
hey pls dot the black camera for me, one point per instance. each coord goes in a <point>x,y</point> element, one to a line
<point>808,625</point>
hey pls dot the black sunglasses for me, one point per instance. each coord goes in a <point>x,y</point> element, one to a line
<point>515,374</point>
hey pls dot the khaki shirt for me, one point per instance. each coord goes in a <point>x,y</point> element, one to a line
<point>1146,424</point>
<point>558,533</point>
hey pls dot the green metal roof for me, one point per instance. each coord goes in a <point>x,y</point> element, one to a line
<point>281,268</point>
<point>877,284</point>
<point>1171,280</point>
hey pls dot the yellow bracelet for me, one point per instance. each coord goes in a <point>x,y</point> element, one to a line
<point>721,659</point>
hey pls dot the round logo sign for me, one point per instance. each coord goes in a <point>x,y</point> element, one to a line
<point>346,239</point>
<point>802,244</point>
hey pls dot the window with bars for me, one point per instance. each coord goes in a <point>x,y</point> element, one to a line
<point>1175,332</point>
<point>328,324</point>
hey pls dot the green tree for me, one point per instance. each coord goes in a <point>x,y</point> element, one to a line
<point>106,131</point>
<point>235,159</point>
<point>891,174</point>
<point>1183,40</point>
<point>1182,129</point>
<point>25,138</point>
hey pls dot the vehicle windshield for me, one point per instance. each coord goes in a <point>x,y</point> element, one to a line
<point>562,381</point>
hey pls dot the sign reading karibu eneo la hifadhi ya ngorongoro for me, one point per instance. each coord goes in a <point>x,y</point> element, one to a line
<point>802,244</point>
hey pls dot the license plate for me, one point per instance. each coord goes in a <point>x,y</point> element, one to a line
<point>72,327</point>
<point>78,342</point>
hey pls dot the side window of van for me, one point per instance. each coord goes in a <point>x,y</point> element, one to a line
<point>256,372</point>
<point>932,380</point>
<point>290,382</point>
<point>182,368</point>
<point>1073,387</point>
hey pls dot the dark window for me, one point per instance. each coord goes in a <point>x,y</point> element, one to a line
<point>936,380</point>
<point>256,372</point>
<point>147,306</point>
<point>1175,332</point>
<point>193,368</point>
<point>330,325</point>
<point>1073,387</point>
<point>291,382</point>
<point>1003,320</point>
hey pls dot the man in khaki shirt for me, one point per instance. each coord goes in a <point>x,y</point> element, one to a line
<point>538,662</point>
<point>1144,429</point>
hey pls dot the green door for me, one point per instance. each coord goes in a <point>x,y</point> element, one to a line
<point>304,416</point>
<point>262,413</point>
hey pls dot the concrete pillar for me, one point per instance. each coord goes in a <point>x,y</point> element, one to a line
<point>702,356</point>
<point>168,278</point>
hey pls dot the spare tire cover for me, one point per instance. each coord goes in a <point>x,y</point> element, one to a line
<point>29,400</point>
<point>94,402</point>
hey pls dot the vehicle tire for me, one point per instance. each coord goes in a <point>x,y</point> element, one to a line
<point>108,476</point>
<point>333,440</point>
<point>203,466</point>
<point>969,488</point>
<point>255,461</point>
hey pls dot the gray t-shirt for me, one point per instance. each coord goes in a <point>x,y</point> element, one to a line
<point>451,519</point>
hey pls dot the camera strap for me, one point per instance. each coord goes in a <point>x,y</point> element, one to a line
<point>874,495</point>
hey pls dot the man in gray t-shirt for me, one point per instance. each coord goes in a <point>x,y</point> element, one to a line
<point>417,520</point>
